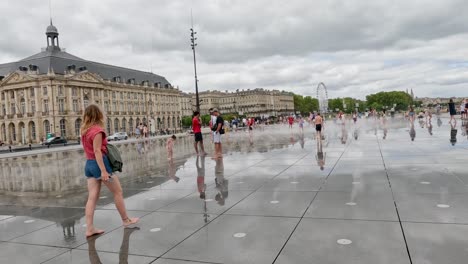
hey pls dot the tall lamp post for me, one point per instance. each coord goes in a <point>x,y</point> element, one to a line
<point>193,44</point>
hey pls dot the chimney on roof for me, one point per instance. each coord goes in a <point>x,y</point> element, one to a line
<point>71,68</point>
<point>82,68</point>
<point>22,68</point>
<point>33,69</point>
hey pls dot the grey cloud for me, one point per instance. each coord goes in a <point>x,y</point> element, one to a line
<point>355,47</point>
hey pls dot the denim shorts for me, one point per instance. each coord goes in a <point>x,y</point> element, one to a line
<point>92,168</point>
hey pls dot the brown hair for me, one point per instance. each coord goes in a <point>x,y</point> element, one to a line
<point>92,116</point>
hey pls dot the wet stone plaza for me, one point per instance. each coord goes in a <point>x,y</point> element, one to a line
<point>363,193</point>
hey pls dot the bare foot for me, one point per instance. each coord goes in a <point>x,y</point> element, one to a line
<point>130,221</point>
<point>94,232</point>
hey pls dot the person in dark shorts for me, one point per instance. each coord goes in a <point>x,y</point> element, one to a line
<point>452,111</point>
<point>196,126</point>
<point>98,170</point>
<point>319,125</point>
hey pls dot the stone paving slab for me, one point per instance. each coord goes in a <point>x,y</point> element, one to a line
<point>21,253</point>
<point>70,233</point>
<point>156,234</point>
<point>237,239</point>
<point>353,205</point>
<point>437,243</point>
<point>362,242</point>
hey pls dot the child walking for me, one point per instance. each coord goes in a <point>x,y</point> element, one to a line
<point>170,147</point>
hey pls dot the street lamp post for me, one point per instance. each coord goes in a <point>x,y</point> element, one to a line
<point>193,44</point>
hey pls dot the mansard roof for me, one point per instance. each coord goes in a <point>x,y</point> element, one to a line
<point>60,62</point>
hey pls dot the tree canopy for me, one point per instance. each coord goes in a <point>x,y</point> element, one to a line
<point>305,104</point>
<point>401,100</point>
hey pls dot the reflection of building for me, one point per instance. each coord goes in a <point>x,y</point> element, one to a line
<point>256,102</point>
<point>47,92</point>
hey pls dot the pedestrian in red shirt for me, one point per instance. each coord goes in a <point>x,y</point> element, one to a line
<point>290,121</point>
<point>98,169</point>
<point>196,127</point>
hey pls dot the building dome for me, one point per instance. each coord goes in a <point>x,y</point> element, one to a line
<point>51,29</point>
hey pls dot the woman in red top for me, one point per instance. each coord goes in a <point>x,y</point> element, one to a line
<point>98,168</point>
<point>290,121</point>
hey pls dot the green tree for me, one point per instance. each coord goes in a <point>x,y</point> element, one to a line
<point>305,104</point>
<point>379,100</point>
<point>205,119</point>
<point>298,102</point>
<point>336,103</point>
<point>310,104</point>
<point>186,121</point>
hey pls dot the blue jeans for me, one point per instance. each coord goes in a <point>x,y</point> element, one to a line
<point>92,168</point>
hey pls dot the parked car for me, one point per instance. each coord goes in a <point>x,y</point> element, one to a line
<point>118,136</point>
<point>55,141</point>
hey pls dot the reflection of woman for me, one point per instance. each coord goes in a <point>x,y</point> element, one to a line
<point>98,169</point>
<point>123,254</point>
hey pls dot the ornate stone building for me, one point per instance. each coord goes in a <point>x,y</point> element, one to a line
<point>256,102</point>
<point>47,93</point>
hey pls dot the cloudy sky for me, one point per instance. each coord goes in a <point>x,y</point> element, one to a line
<point>355,47</point>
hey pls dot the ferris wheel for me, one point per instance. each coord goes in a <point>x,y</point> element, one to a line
<point>322,97</point>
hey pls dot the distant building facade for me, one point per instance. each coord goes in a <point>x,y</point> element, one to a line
<point>47,93</point>
<point>256,102</point>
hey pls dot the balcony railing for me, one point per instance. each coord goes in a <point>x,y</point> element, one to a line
<point>19,115</point>
<point>30,114</point>
<point>10,116</point>
<point>45,113</point>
